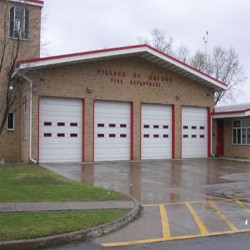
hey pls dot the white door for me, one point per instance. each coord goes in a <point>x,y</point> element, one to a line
<point>60,134</point>
<point>112,126</point>
<point>194,132</point>
<point>156,129</point>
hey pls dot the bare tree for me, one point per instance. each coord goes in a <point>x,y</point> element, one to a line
<point>182,53</point>
<point>159,41</point>
<point>8,58</point>
<point>201,62</point>
<point>14,45</point>
<point>222,64</point>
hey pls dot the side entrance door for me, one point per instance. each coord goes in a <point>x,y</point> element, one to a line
<point>220,137</point>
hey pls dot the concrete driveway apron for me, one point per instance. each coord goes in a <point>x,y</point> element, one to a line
<point>181,198</point>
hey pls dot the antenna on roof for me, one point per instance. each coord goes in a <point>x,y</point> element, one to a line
<point>205,39</point>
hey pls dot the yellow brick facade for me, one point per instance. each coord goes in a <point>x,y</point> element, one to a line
<point>11,142</point>
<point>131,84</point>
<point>128,79</point>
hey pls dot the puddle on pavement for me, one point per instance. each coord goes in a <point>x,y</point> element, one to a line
<point>163,180</point>
<point>158,181</point>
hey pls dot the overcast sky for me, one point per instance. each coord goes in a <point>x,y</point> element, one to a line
<point>81,25</point>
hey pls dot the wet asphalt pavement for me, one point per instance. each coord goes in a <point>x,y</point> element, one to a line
<point>165,181</point>
<point>182,199</point>
<point>224,242</point>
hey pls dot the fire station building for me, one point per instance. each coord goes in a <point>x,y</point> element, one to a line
<point>125,103</point>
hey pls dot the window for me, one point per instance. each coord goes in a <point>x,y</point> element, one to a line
<point>11,121</point>
<point>241,132</point>
<point>19,23</point>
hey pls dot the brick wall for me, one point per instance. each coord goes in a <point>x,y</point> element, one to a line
<point>132,85</point>
<point>10,142</point>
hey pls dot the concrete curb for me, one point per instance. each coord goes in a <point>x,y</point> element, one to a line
<point>81,235</point>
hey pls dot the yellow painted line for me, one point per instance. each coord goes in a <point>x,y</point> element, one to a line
<point>198,220</point>
<point>223,217</point>
<point>169,204</point>
<point>136,242</point>
<point>242,206</point>
<point>210,234</point>
<point>193,202</point>
<point>164,222</point>
<point>191,236</point>
<point>165,225</point>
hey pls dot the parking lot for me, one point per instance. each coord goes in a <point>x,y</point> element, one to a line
<point>175,221</point>
<point>181,198</point>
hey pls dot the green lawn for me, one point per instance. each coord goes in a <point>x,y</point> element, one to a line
<point>32,183</point>
<point>38,224</point>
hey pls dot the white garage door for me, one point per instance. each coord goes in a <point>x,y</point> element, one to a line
<point>60,135</point>
<point>156,129</point>
<point>112,135</point>
<point>194,132</point>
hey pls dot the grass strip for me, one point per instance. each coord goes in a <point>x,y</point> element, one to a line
<point>18,226</point>
<point>28,183</point>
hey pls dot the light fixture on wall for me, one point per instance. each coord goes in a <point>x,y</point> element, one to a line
<point>42,80</point>
<point>89,90</point>
<point>177,98</point>
<point>34,89</point>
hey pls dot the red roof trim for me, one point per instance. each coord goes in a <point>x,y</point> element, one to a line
<point>36,1</point>
<point>186,65</point>
<point>78,54</point>
<point>117,49</point>
<point>231,112</point>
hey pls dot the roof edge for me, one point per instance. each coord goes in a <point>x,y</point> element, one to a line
<point>30,2</point>
<point>41,59</point>
<point>231,114</point>
<point>136,48</point>
<point>186,65</point>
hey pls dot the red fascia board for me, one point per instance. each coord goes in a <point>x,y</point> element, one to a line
<point>117,49</point>
<point>36,1</point>
<point>230,112</point>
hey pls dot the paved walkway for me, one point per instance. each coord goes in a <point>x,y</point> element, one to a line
<point>63,206</point>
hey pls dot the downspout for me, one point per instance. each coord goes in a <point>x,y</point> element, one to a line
<point>211,136</point>
<point>31,104</point>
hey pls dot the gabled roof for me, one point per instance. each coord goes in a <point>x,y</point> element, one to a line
<point>30,2</point>
<point>144,51</point>
<point>230,111</point>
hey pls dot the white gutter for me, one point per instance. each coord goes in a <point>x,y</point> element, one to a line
<point>31,104</point>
